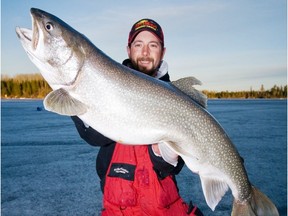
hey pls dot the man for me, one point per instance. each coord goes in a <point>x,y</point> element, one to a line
<point>135,180</point>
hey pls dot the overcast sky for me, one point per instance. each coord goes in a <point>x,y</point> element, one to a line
<point>227,44</point>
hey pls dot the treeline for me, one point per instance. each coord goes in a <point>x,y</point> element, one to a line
<point>24,86</point>
<point>34,86</point>
<point>274,92</point>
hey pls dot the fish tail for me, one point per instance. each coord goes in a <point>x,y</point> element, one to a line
<point>258,205</point>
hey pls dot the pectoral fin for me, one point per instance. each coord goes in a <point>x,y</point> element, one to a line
<point>186,86</point>
<point>59,101</point>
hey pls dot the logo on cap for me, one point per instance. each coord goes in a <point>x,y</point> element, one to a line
<point>145,23</point>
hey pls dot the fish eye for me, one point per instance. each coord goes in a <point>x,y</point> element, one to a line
<point>49,26</point>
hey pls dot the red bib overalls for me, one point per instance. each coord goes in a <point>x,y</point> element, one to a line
<point>132,187</point>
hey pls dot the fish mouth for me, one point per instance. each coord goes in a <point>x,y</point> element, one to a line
<point>28,37</point>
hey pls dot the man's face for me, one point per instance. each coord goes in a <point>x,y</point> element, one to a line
<point>146,53</point>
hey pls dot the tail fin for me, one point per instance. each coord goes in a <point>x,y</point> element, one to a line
<point>258,205</point>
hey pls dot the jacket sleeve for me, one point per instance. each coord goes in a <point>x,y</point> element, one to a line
<point>162,168</point>
<point>90,135</point>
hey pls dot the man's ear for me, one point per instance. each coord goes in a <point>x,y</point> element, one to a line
<point>163,53</point>
<point>128,50</point>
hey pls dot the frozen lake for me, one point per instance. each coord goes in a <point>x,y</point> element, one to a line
<point>48,170</point>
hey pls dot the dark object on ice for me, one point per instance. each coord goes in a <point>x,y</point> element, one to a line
<point>39,108</point>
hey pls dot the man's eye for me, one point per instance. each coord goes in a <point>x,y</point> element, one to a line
<point>137,45</point>
<point>154,45</point>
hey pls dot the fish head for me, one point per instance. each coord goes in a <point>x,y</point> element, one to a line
<point>54,47</point>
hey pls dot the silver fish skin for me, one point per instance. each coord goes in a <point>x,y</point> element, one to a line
<point>133,108</point>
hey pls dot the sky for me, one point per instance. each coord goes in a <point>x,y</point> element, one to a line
<point>227,44</point>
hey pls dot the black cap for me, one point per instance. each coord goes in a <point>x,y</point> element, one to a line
<point>146,25</point>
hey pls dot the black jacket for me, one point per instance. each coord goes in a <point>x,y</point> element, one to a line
<point>93,137</point>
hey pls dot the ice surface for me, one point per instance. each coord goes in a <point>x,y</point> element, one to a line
<point>48,170</point>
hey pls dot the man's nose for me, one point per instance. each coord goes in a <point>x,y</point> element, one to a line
<point>145,50</point>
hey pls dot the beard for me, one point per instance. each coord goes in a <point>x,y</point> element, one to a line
<point>149,70</point>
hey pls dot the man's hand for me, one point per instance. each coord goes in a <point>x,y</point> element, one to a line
<point>163,150</point>
<point>156,150</point>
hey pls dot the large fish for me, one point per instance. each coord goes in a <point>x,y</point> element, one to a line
<point>133,108</point>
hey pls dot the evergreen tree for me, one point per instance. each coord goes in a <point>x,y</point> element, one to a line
<point>34,86</point>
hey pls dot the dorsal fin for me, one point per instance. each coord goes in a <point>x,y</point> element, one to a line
<point>186,85</point>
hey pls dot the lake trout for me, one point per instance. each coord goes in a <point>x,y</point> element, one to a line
<point>133,108</point>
